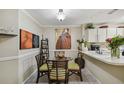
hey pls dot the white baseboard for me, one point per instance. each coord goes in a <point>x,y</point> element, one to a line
<point>29,77</point>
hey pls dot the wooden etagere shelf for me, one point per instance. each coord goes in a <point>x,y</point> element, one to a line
<point>44,50</point>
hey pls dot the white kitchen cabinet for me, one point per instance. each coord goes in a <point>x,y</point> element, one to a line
<point>120,31</point>
<point>91,35</point>
<point>111,32</point>
<point>102,34</point>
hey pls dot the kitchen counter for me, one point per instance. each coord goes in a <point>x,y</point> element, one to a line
<point>107,70</point>
<point>106,58</point>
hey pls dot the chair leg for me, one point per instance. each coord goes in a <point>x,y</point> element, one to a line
<point>38,75</point>
<point>80,76</point>
<point>67,78</point>
<point>67,81</point>
<point>50,82</point>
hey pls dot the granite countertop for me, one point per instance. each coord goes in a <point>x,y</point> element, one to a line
<point>106,58</point>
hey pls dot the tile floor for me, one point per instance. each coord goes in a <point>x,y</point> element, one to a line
<point>88,78</point>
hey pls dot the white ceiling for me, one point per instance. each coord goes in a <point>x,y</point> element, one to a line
<point>77,16</point>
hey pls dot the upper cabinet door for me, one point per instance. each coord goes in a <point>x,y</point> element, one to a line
<point>111,32</point>
<point>92,35</point>
<point>102,34</point>
<point>120,31</point>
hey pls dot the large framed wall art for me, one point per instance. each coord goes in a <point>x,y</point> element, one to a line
<point>35,41</point>
<point>28,40</point>
<point>63,38</point>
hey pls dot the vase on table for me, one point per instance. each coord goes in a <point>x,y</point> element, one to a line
<point>115,52</point>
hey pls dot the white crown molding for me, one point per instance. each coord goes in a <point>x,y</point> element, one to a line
<point>46,26</point>
<point>60,26</point>
<point>24,11</point>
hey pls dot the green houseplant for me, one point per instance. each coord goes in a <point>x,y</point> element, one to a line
<point>114,44</point>
<point>80,43</point>
<point>89,26</point>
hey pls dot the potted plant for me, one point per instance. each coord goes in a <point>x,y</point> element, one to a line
<point>114,44</point>
<point>89,26</point>
<point>80,43</point>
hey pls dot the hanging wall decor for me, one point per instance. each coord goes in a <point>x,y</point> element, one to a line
<point>28,40</point>
<point>35,41</point>
<point>63,38</point>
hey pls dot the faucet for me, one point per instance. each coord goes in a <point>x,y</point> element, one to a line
<point>98,51</point>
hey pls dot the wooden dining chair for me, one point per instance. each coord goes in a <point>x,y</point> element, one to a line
<point>57,71</point>
<point>75,68</point>
<point>41,67</point>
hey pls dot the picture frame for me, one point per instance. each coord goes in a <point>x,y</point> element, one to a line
<point>28,40</point>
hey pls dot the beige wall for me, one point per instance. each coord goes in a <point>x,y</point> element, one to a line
<point>27,62</point>
<point>21,63</point>
<point>16,65</point>
<point>9,21</point>
<point>9,47</point>
<point>49,32</point>
<point>27,22</point>
<point>9,72</point>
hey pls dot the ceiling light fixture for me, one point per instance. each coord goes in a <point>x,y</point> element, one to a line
<point>61,15</point>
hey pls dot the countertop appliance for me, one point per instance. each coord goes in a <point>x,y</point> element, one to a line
<point>122,53</point>
<point>94,47</point>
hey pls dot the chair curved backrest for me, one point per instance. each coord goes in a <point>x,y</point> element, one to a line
<point>57,71</point>
<point>42,68</point>
<point>38,59</point>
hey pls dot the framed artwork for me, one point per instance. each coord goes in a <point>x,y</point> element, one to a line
<point>25,39</point>
<point>63,38</point>
<point>35,41</point>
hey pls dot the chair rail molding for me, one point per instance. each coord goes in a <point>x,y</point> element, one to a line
<point>8,58</point>
<point>2,59</point>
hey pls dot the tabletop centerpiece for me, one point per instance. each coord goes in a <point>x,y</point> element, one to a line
<point>114,44</point>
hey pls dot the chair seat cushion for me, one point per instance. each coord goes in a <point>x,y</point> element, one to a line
<point>61,74</point>
<point>43,67</point>
<point>73,66</point>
